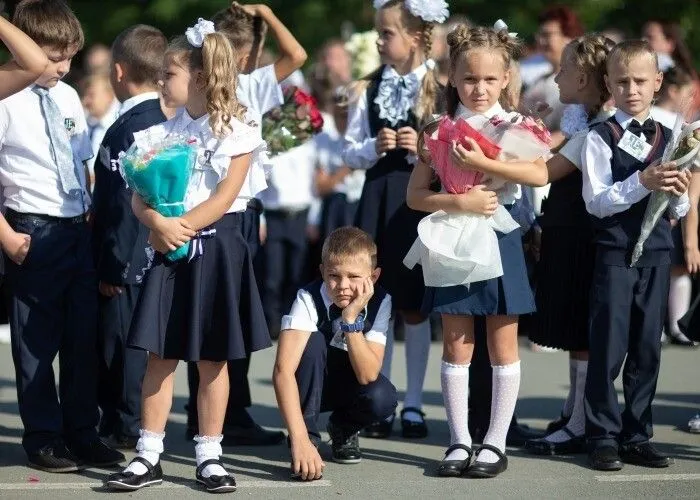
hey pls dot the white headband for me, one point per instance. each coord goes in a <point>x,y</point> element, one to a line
<point>197,33</point>
<point>430,11</point>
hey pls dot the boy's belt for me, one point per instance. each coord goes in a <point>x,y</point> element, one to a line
<point>42,218</point>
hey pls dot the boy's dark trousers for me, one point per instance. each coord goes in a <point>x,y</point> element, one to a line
<point>628,307</point>
<point>327,382</point>
<point>52,303</point>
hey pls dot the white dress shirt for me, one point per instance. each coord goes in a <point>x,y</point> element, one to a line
<point>329,149</point>
<point>98,128</point>
<point>304,317</point>
<point>290,185</point>
<point>602,196</point>
<point>574,146</point>
<point>28,173</point>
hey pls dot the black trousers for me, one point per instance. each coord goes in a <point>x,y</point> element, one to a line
<point>52,304</point>
<point>327,382</point>
<point>121,369</point>
<point>628,308</point>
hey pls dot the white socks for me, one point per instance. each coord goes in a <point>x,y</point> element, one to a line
<point>569,403</point>
<point>207,448</point>
<point>504,395</point>
<point>417,350</point>
<point>149,447</point>
<point>577,422</point>
<point>388,356</point>
<point>454,380</point>
<point>679,297</point>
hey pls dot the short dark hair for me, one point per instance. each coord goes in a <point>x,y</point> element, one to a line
<point>50,23</point>
<point>142,49</point>
<point>348,241</point>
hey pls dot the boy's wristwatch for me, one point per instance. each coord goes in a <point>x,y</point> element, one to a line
<point>357,326</point>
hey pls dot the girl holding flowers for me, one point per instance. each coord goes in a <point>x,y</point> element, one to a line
<point>189,310</point>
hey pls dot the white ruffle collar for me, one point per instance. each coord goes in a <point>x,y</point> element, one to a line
<point>397,94</point>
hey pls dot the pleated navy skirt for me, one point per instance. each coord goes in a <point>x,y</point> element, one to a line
<point>564,277</point>
<point>208,309</point>
<point>337,211</point>
<point>384,214</point>
<point>509,294</point>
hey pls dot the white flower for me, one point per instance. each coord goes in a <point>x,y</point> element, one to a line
<point>197,33</point>
<point>430,11</point>
<point>363,50</point>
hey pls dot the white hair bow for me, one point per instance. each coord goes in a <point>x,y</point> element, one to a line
<point>500,25</point>
<point>430,11</point>
<point>197,33</point>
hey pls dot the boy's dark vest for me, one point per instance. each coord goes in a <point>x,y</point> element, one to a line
<point>617,234</point>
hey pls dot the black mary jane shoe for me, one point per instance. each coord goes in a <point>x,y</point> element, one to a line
<point>411,429</point>
<point>129,481</point>
<point>480,470</point>
<point>215,484</point>
<point>455,468</point>
<point>575,444</point>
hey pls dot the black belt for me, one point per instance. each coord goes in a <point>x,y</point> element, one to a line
<point>42,218</point>
<point>255,204</point>
<point>287,213</point>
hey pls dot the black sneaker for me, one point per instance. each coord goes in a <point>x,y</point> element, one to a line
<point>97,454</point>
<point>345,446</point>
<point>55,457</point>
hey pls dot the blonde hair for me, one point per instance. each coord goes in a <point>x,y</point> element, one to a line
<point>589,53</point>
<point>347,242</point>
<point>217,60</point>
<point>463,39</point>
<point>428,94</point>
<point>624,52</point>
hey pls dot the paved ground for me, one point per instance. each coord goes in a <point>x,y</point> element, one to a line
<point>397,468</point>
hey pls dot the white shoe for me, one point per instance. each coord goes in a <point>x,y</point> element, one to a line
<point>694,424</point>
<point>4,334</point>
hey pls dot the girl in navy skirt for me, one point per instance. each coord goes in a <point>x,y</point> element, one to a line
<point>480,61</point>
<point>390,105</point>
<point>207,309</point>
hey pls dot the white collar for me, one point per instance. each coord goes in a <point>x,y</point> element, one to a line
<point>417,73</point>
<point>134,101</point>
<point>625,119</point>
<point>185,121</point>
<point>464,112</point>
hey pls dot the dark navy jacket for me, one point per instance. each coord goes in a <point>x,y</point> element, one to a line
<point>120,241</point>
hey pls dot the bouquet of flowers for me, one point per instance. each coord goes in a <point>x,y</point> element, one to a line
<point>682,150</point>
<point>292,124</point>
<point>158,168</point>
<point>524,138</point>
<point>363,51</point>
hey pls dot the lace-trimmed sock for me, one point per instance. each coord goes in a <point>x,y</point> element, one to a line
<point>148,447</point>
<point>454,380</point>
<point>207,448</point>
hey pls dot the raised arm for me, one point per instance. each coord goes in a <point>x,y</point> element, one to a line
<point>29,61</point>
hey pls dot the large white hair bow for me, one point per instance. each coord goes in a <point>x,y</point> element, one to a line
<point>197,33</point>
<point>500,25</point>
<point>430,11</point>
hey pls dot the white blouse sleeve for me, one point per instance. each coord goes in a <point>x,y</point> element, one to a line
<point>573,147</point>
<point>359,151</point>
<point>381,323</point>
<point>243,139</point>
<point>602,196</point>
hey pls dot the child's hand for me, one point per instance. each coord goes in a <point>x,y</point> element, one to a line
<point>170,234</point>
<point>255,10</point>
<point>17,247</point>
<point>407,138</point>
<point>306,462</point>
<point>109,290</point>
<point>468,158</point>
<point>479,200</point>
<point>692,260</point>
<point>363,293</point>
<point>683,182</point>
<point>386,140</point>
<point>661,177</point>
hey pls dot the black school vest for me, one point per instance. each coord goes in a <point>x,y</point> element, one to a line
<point>617,234</point>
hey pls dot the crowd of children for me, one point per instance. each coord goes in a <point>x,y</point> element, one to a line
<point>87,278</point>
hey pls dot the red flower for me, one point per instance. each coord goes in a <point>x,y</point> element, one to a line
<point>316,119</point>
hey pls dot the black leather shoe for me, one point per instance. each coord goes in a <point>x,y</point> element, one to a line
<point>519,434</point>
<point>481,470</point>
<point>644,454</point>
<point>55,457</point>
<point>379,430</point>
<point>254,435</point>
<point>128,481</point>
<point>121,442</point>
<point>455,468</point>
<point>97,454</point>
<point>411,429</point>
<point>215,484</point>
<point>345,446</point>
<point>541,446</point>
<point>605,458</point>
<point>557,424</point>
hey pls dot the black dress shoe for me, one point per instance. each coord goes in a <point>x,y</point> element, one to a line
<point>541,446</point>
<point>557,424</point>
<point>481,470</point>
<point>129,481</point>
<point>55,457</point>
<point>519,434</point>
<point>254,435</point>
<point>605,458</point>
<point>379,430</point>
<point>454,468</point>
<point>215,484</point>
<point>97,454</point>
<point>121,442</point>
<point>411,429</point>
<point>644,454</point>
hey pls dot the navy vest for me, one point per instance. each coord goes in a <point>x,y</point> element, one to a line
<point>617,234</point>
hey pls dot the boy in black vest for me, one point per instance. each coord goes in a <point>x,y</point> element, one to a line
<point>330,354</point>
<point>120,242</point>
<point>628,304</point>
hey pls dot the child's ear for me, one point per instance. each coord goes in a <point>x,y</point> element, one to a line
<point>582,80</point>
<point>607,84</point>
<point>506,80</point>
<point>118,70</point>
<point>320,268</point>
<point>658,80</point>
<point>375,274</point>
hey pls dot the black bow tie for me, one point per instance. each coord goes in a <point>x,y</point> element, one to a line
<point>648,128</point>
<point>334,312</point>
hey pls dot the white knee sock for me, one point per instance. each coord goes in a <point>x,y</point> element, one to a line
<point>569,403</point>
<point>679,297</point>
<point>207,448</point>
<point>417,350</point>
<point>148,447</point>
<point>454,380</point>
<point>388,355</point>
<point>577,422</point>
<point>504,395</point>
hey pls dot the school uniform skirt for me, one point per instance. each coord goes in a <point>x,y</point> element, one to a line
<point>208,309</point>
<point>678,251</point>
<point>336,211</point>
<point>383,213</point>
<point>564,276</point>
<point>509,294</point>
